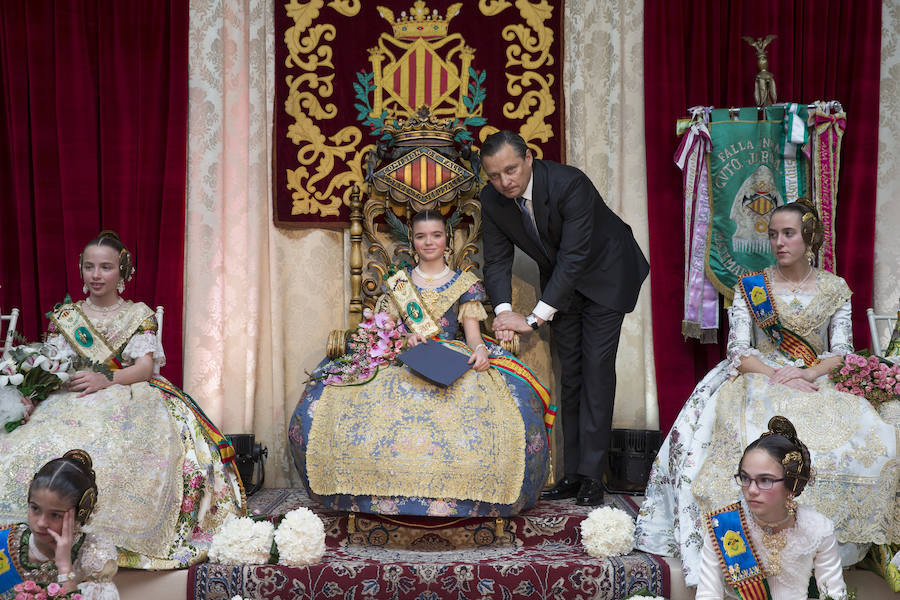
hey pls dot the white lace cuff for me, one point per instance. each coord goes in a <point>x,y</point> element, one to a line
<point>142,344</point>
<point>737,357</point>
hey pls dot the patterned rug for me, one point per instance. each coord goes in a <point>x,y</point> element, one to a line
<point>538,555</point>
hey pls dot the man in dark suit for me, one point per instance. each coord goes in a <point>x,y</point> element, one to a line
<point>591,270</point>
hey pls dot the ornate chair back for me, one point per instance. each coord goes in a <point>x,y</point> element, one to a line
<point>159,322</point>
<point>876,322</point>
<point>422,167</point>
<point>11,319</point>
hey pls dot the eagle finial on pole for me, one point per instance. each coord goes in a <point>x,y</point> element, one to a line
<point>764,86</point>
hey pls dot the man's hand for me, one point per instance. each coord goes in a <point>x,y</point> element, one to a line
<point>509,322</point>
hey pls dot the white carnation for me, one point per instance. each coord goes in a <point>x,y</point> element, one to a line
<point>607,531</point>
<point>242,540</point>
<point>300,538</point>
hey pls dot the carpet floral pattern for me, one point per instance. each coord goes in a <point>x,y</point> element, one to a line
<point>545,559</point>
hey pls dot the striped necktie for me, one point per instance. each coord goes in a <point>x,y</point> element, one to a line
<point>528,222</point>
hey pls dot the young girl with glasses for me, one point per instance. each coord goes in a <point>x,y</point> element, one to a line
<point>768,545</point>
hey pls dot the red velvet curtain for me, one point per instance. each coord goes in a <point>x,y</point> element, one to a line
<point>93,135</point>
<point>694,55</point>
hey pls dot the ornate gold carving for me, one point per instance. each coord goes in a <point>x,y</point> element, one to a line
<point>337,343</point>
<point>528,51</point>
<point>337,158</point>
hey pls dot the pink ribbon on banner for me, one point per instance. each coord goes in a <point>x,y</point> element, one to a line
<point>701,300</point>
<point>829,129</point>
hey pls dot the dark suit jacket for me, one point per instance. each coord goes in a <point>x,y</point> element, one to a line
<point>588,248</point>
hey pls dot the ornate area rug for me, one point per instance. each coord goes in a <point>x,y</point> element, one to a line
<point>538,555</point>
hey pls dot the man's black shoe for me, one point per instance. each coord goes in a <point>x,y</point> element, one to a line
<point>567,488</point>
<point>591,492</point>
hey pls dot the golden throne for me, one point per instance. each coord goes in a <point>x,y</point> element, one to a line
<point>425,95</point>
<point>423,169</point>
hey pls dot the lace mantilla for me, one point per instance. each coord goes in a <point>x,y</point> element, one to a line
<point>821,317</point>
<point>442,298</point>
<point>832,293</point>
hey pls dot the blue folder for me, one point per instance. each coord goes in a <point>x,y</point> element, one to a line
<point>435,362</point>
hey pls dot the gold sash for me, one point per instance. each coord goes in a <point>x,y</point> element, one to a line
<point>77,328</point>
<point>409,303</point>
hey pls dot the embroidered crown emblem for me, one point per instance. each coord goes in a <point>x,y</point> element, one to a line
<point>420,23</point>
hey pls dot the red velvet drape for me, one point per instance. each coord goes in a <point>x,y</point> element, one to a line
<point>93,134</point>
<point>693,55</point>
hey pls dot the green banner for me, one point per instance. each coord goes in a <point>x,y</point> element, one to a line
<point>753,168</point>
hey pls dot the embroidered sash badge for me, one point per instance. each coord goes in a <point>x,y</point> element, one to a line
<point>9,576</point>
<point>737,557</point>
<point>756,290</point>
<point>404,294</point>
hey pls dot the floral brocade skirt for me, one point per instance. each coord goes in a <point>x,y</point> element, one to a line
<point>854,450</point>
<point>399,445</point>
<point>163,488</point>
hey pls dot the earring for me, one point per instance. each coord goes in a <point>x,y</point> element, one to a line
<point>791,505</point>
<point>84,289</point>
<point>810,256</point>
<point>120,287</point>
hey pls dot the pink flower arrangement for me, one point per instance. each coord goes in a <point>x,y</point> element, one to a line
<point>869,377</point>
<point>31,590</point>
<point>377,341</point>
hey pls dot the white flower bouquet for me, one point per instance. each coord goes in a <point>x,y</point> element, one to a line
<point>644,595</point>
<point>241,540</point>
<point>607,531</point>
<point>299,540</point>
<point>28,374</point>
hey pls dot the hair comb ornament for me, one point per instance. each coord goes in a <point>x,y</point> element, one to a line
<point>791,457</point>
<point>86,505</point>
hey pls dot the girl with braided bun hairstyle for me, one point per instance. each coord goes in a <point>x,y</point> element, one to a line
<point>789,326</point>
<point>790,541</point>
<point>166,472</point>
<point>54,548</point>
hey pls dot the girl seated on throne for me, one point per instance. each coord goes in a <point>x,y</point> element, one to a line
<point>789,326</point>
<point>167,474</point>
<point>398,444</point>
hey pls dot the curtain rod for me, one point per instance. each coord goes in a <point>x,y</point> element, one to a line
<point>833,105</point>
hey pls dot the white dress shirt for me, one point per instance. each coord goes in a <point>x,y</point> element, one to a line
<point>541,309</point>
